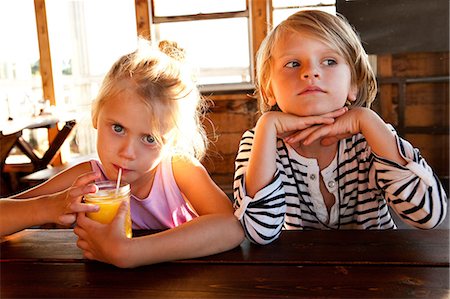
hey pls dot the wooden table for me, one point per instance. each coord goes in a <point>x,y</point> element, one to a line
<point>343,264</point>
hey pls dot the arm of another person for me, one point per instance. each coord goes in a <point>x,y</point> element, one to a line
<point>215,230</point>
<point>58,207</point>
<point>57,183</point>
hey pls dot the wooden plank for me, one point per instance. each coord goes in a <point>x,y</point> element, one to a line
<point>45,65</point>
<point>259,26</point>
<point>434,148</point>
<point>345,247</point>
<point>142,18</point>
<point>169,280</point>
<point>200,16</point>
<point>425,64</point>
<point>386,92</point>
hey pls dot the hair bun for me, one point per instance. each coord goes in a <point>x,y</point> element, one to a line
<point>172,50</point>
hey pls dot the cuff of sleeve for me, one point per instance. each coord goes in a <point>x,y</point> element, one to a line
<point>239,213</point>
<point>421,172</point>
<point>246,200</point>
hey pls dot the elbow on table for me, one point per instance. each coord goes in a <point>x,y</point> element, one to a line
<point>427,225</point>
<point>236,231</point>
<point>433,224</point>
<point>260,239</point>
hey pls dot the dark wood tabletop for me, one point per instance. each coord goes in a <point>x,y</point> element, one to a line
<point>318,264</point>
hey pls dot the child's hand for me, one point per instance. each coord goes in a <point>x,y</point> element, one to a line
<point>107,243</point>
<point>289,125</point>
<point>345,125</point>
<point>68,202</point>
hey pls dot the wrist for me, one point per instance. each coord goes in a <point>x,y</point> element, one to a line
<point>42,210</point>
<point>122,255</point>
<point>267,123</point>
<point>53,209</point>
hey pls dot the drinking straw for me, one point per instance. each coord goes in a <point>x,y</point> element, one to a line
<point>119,176</point>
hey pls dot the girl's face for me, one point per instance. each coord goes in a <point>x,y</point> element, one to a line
<point>125,140</point>
<point>308,77</point>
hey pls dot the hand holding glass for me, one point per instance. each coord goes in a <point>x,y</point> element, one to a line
<point>109,198</point>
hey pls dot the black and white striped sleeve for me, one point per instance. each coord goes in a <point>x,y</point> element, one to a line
<point>413,190</point>
<point>262,216</point>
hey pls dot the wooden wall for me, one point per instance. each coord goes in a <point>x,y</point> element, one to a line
<point>426,102</point>
<point>232,115</point>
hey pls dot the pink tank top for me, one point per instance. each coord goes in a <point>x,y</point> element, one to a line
<point>164,208</point>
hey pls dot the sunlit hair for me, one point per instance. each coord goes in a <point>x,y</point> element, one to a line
<point>162,80</point>
<point>334,31</point>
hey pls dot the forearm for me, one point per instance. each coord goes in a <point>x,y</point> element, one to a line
<point>261,165</point>
<point>262,228</point>
<point>413,190</point>
<point>202,236</point>
<point>20,214</point>
<point>380,138</point>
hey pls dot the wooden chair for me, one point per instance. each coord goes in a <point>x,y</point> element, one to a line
<point>7,142</point>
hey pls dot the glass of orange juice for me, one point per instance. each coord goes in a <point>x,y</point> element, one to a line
<point>108,198</point>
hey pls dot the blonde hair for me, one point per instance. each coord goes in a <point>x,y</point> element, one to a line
<point>159,75</point>
<point>336,32</point>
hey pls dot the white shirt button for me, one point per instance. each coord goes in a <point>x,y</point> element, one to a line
<point>312,177</point>
<point>331,184</point>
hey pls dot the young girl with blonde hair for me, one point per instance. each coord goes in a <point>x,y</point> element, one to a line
<point>147,116</point>
<point>318,157</point>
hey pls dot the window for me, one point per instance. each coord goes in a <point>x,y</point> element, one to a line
<point>84,43</point>
<point>215,35</point>
<point>86,37</point>
<point>20,79</point>
<point>284,8</point>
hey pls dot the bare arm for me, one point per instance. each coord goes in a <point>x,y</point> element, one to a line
<point>60,207</point>
<point>262,165</point>
<point>215,230</point>
<point>380,138</point>
<point>59,182</point>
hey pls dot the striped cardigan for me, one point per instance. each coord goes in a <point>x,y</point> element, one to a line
<point>367,186</point>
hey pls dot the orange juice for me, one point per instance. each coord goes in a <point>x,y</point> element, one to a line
<point>109,199</point>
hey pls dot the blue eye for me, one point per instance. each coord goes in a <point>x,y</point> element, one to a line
<point>149,139</point>
<point>330,62</point>
<point>118,129</point>
<point>292,64</point>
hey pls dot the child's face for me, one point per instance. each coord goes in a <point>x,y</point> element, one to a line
<point>124,139</point>
<point>308,77</point>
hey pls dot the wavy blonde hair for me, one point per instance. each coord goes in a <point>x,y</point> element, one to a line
<point>160,76</point>
<point>333,30</point>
